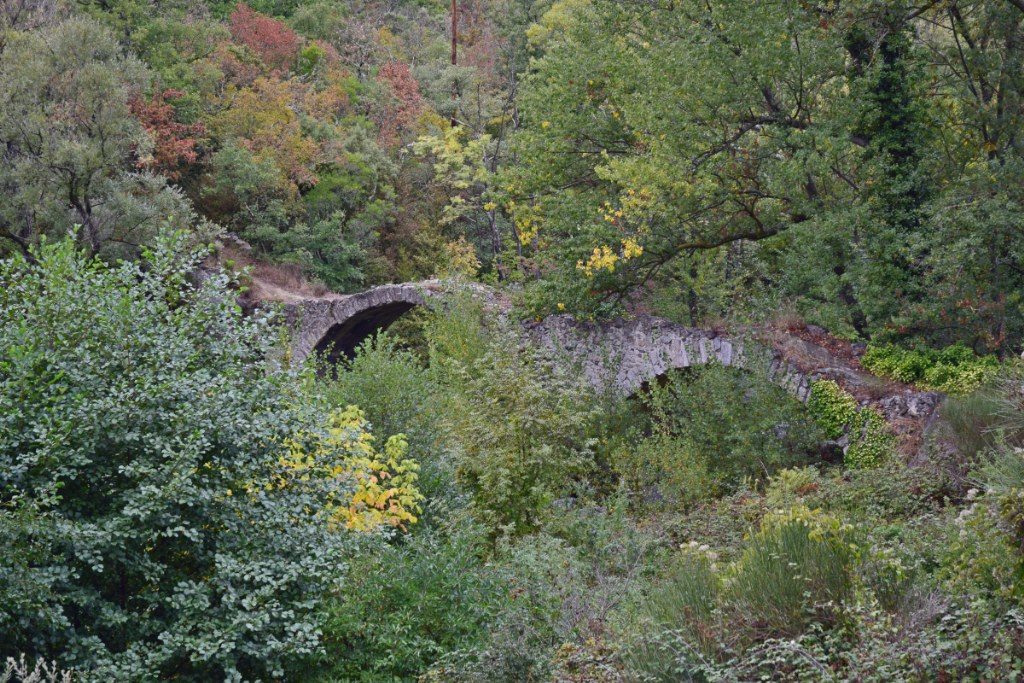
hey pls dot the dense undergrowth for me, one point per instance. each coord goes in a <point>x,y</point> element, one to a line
<point>513,525</point>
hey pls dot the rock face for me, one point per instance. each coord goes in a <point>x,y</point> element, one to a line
<point>621,355</point>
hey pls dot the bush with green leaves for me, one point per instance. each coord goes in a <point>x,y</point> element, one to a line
<point>519,423</point>
<point>788,487</point>
<point>989,419</point>
<point>409,604</point>
<point>953,370</point>
<point>797,569</point>
<point>796,572</point>
<point>704,431</point>
<point>986,553</point>
<point>149,526</point>
<point>397,393</point>
<point>871,442</point>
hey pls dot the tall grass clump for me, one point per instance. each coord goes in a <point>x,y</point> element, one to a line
<point>797,569</point>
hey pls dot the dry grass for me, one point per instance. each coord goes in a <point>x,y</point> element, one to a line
<point>269,281</point>
<point>786,319</point>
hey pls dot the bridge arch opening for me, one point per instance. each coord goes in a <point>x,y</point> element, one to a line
<point>340,341</point>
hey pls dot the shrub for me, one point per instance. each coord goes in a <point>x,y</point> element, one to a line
<point>797,569</point>
<point>398,395</point>
<point>723,523</point>
<point>988,419</point>
<point>142,429</point>
<point>871,442</point>
<point>457,336</point>
<point>544,576</point>
<point>681,629</point>
<point>986,554</point>
<point>875,497</point>
<point>961,640</point>
<point>796,573</point>
<point>519,422</point>
<point>953,370</point>
<point>383,484</point>
<point>665,469</point>
<point>711,428</point>
<point>688,596</point>
<point>392,387</point>
<point>409,604</point>
<point>788,487</point>
<point>975,421</point>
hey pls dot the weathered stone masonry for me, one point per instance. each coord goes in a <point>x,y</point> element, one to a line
<point>618,354</point>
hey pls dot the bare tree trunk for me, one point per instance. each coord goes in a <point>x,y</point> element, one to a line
<point>455,60</point>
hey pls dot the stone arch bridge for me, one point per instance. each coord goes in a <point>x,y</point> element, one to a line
<point>624,354</point>
<point>620,354</point>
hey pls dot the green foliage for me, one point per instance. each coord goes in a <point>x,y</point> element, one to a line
<point>858,219</point>
<point>788,487</point>
<point>407,605</point>
<point>142,433</point>
<point>708,430</point>
<point>521,424</point>
<point>665,468</point>
<point>392,386</point>
<point>887,84</point>
<point>688,596</point>
<point>72,143</point>
<point>564,586</point>
<point>974,421</point>
<point>988,419</point>
<point>873,497</point>
<point>832,408</point>
<point>985,556</point>
<point>798,568</point>
<point>871,441</point>
<point>172,496</point>
<point>954,370</point>
<point>544,576</point>
<point>456,337</point>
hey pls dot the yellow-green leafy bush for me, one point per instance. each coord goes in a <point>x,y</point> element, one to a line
<point>954,369</point>
<point>384,491</point>
<point>837,412</point>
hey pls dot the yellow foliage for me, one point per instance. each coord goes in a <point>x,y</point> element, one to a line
<point>459,168</point>
<point>385,491</point>
<point>631,248</point>
<point>527,219</point>
<point>460,260</point>
<point>603,258</point>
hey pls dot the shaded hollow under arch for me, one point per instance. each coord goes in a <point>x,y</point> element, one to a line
<point>341,340</point>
